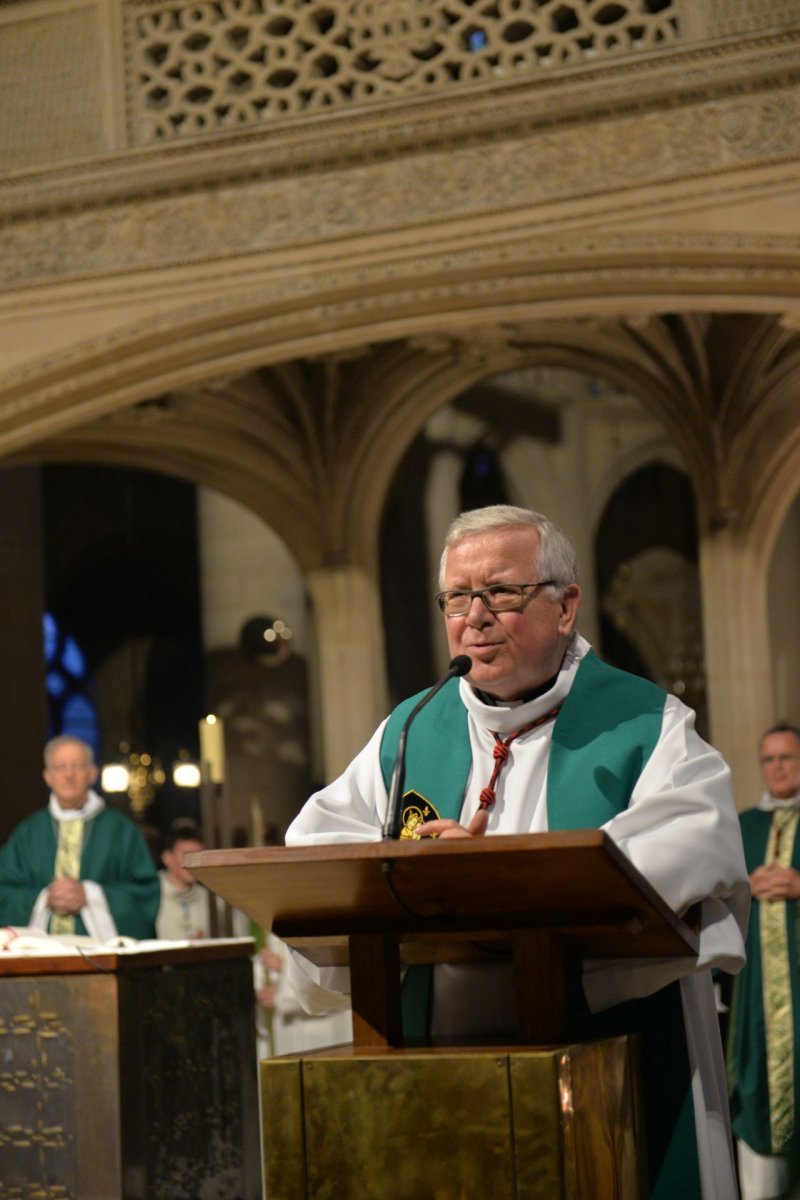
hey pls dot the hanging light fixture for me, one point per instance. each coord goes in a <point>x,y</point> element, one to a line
<point>185,773</point>
<point>138,774</point>
<point>115,777</point>
<point>266,640</point>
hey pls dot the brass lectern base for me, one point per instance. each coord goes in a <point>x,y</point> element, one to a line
<point>558,1123</point>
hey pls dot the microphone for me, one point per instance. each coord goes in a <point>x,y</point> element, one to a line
<point>459,665</point>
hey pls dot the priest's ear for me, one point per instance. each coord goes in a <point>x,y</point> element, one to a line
<point>570,603</point>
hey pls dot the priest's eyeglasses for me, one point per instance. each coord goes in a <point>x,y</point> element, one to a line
<point>498,597</point>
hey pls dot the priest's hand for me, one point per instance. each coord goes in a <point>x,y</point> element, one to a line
<point>65,896</point>
<point>774,882</point>
<point>452,829</point>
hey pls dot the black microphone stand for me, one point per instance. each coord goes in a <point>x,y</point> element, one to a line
<point>459,665</point>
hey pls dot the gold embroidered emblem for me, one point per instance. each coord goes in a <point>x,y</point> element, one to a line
<point>416,811</point>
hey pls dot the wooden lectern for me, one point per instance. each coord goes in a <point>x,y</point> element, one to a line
<point>518,1123</point>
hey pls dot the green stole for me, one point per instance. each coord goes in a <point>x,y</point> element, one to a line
<point>764,1022</point>
<point>603,736</point>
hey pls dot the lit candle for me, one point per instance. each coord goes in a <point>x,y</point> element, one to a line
<point>212,747</point>
<point>256,821</point>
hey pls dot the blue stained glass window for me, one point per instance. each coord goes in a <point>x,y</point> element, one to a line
<point>79,716</point>
<point>55,683</point>
<point>72,658</point>
<point>71,708</point>
<point>50,638</point>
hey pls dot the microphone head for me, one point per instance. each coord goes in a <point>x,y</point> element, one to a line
<point>459,665</point>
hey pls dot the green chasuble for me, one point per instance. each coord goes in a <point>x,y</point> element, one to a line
<point>764,1023</point>
<point>114,855</point>
<point>603,736</point>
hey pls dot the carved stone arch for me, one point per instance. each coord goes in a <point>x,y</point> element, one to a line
<point>221,458</point>
<point>193,343</point>
<point>319,461</point>
<point>414,380</point>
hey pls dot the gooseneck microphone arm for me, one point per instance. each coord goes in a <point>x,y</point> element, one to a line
<point>459,665</point>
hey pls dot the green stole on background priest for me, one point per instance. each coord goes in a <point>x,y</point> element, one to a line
<point>764,1023</point>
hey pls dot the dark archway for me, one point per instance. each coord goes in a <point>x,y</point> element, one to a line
<point>646,566</point>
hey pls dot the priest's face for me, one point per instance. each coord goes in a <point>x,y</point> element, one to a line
<point>70,773</point>
<point>512,652</point>
<point>780,764</point>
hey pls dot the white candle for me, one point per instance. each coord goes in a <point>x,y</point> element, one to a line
<point>212,747</point>
<point>256,821</point>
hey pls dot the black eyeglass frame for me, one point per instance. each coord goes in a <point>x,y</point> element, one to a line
<point>441,597</point>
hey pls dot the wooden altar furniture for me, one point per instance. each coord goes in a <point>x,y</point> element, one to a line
<point>130,1075</point>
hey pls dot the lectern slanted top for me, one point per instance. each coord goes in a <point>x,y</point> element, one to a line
<point>378,905</point>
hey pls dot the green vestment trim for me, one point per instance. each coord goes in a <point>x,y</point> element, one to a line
<point>778,989</point>
<point>67,865</point>
<point>438,754</point>
<point>764,1022</point>
<point>604,734</point>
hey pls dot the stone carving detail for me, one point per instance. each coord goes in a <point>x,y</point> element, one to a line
<point>199,68</point>
<point>51,101</point>
<point>634,149</point>
<point>744,16</point>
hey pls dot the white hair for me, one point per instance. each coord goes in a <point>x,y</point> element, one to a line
<point>66,739</point>
<point>556,558</point>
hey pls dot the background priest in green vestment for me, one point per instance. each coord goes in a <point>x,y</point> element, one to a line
<point>764,1028</point>
<point>77,866</point>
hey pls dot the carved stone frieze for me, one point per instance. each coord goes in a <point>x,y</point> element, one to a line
<point>746,16</point>
<point>633,150</point>
<point>502,107</point>
<point>106,76</point>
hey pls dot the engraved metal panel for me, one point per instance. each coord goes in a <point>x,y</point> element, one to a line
<point>57,1037</point>
<point>130,1084</point>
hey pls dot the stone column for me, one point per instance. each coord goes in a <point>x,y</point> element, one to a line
<point>246,572</point>
<point>737,646</point>
<point>441,506</point>
<point>350,661</point>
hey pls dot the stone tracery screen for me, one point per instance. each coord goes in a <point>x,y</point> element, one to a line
<point>200,68</point>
